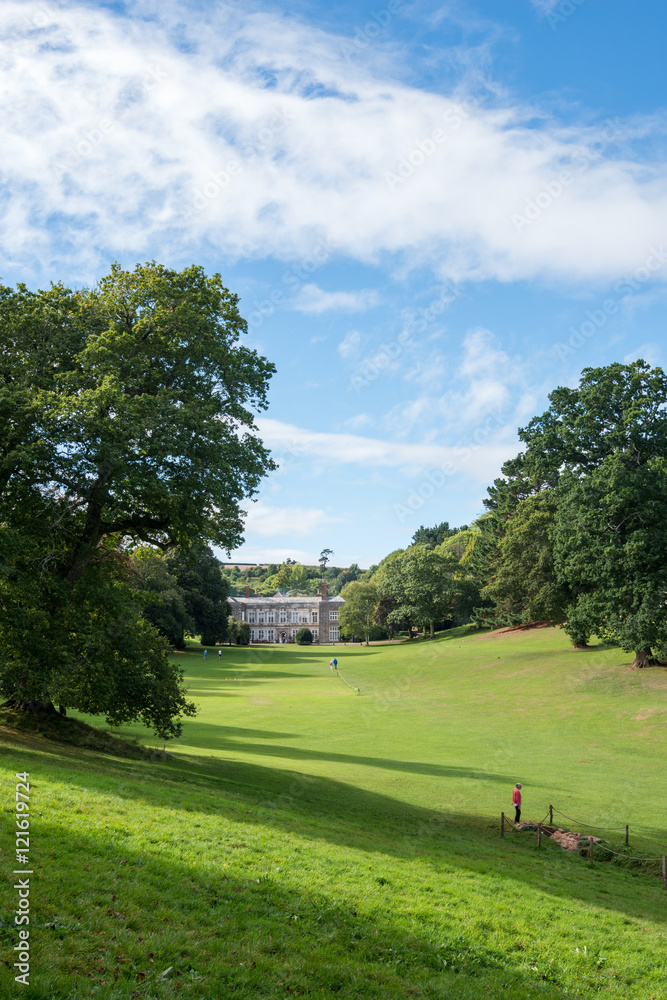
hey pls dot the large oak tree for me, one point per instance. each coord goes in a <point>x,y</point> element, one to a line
<point>127,414</point>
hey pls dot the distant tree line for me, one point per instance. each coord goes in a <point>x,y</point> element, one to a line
<point>293,578</point>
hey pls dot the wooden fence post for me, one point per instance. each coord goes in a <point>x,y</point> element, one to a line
<point>664,871</point>
<point>539,834</point>
<point>502,824</point>
<point>551,815</point>
<point>627,834</point>
<point>590,849</point>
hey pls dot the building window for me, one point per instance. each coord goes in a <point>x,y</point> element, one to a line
<point>260,635</point>
<point>271,635</point>
<point>251,617</point>
<point>334,635</point>
<point>333,616</point>
<point>295,617</point>
<point>313,617</point>
<point>260,618</point>
<point>315,636</point>
<point>252,635</point>
<point>283,617</point>
<point>304,618</point>
<point>270,617</point>
<point>293,632</point>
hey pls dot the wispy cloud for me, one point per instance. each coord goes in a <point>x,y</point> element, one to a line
<point>249,132</point>
<point>330,450</point>
<point>350,344</point>
<point>312,299</point>
<point>269,522</point>
<point>545,6</point>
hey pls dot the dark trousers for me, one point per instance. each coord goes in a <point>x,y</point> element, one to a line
<point>517,814</point>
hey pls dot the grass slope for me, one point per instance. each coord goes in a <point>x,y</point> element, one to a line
<point>306,841</point>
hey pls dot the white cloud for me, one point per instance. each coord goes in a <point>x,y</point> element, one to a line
<point>260,555</point>
<point>477,458</point>
<point>268,521</point>
<point>545,6</point>
<point>312,299</point>
<point>251,133</point>
<point>349,345</point>
<point>358,421</point>
<point>651,353</point>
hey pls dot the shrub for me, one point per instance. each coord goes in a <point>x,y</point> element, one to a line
<point>304,637</point>
<point>243,635</point>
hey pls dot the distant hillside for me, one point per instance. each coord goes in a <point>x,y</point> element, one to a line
<point>290,576</point>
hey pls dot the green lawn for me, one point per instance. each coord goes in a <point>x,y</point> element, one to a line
<point>308,841</point>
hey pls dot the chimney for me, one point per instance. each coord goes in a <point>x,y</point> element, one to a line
<point>247,590</point>
<point>324,590</point>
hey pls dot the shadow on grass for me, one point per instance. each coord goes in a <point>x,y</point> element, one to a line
<point>223,738</point>
<point>329,810</point>
<point>143,924</point>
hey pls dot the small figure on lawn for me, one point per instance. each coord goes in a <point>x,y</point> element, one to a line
<point>516,801</point>
<point>333,664</point>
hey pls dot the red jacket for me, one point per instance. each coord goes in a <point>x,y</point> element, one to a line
<point>516,797</point>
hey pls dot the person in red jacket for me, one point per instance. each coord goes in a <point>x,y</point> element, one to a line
<point>516,801</point>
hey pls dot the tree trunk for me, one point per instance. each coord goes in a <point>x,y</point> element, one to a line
<point>431,633</point>
<point>644,658</point>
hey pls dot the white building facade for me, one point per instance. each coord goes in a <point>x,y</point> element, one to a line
<point>279,618</point>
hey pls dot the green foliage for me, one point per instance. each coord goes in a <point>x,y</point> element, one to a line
<point>431,537</point>
<point>610,544</point>
<point>86,644</point>
<point>304,637</point>
<point>357,616</point>
<point>608,440</point>
<point>128,414</point>
<point>232,630</point>
<point>422,582</point>
<point>243,634</point>
<point>165,606</point>
<point>205,591</point>
<point>525,587</point>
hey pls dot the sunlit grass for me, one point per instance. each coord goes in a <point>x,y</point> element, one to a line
<point>307,841</point>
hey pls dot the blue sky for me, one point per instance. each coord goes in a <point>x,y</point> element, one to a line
<point>434,213</point>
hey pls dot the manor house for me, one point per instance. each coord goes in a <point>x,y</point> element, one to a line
<point>278,618</point>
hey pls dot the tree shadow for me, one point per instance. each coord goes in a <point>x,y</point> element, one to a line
<point>326,809</point>
<point>208,735</point>
<point>200,922</point>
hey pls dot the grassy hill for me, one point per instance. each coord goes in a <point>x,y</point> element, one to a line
<point>304,840</point>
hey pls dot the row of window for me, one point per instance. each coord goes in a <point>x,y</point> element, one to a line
<point>269,634</point>
<point>295,617</point>
<point>269,617</point>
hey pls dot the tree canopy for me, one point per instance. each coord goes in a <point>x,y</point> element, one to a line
<point>128,413</point>
<point>357,616</point>
<point>606,441</point>
<point>423,584</point>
